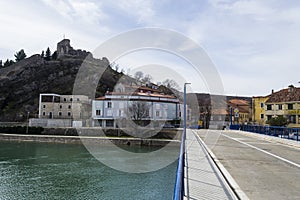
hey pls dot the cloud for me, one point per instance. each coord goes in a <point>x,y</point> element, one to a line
<point>141,10</point>
<point>254,41</point>
<point>78,10</point>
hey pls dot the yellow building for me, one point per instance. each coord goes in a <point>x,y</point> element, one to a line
<point>286,103</point>
<point>258,109</point>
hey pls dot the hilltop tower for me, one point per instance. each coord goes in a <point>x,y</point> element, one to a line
<point>63,48</point>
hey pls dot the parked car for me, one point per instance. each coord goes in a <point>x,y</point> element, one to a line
<point>294,135</point>
<point>195,127</point>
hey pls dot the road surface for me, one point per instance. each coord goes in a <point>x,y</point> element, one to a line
<point>263,169</point>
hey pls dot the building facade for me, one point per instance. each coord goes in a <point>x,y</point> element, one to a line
<point>140,104</point>
<point>286,103</point>
<point>259,110</point>
<point>62,111</point>
<point>239,110</point>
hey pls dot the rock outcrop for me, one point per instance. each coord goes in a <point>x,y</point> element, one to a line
<point>22,82</point>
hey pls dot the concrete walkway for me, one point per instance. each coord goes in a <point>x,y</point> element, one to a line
<point>202,178</point>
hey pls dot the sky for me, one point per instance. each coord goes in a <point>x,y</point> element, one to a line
<point>253,44</point>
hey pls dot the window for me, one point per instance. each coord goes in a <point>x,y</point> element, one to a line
<point>44,113</point>
<point>147,113</point>
<point>59,113</point>
<point>69,114</point>
<point>292,119</point>
<point>78,99</point>
<point>60,106</point>
<point>44,106</point>
<point>65,99</point>
<point>157,114</point>
<point>100,122</point>
<point>50,115</point>
<point>98,112</point>
<point>269,107</point>
<point>71,99</point>
<point>120,113</point>
<point>109,123</point>
<point>262,116</point>
<point>69,106</point>
<point>109,113</point>
<point>109,104</point>
<point>279,106</point>
<point>290,106</point>
<point>261,105</point>
<point>269,117</point>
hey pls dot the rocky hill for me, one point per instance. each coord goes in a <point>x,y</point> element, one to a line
<point>22,82</point>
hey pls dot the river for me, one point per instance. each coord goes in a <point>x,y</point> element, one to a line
<point>31,170</point>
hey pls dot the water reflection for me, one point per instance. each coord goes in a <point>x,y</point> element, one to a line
<point>67,171</point>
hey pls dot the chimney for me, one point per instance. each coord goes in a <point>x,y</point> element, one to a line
<point>272,91</point>
<point>291,88</point>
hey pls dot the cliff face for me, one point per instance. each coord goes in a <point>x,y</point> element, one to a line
<point>21,83</point>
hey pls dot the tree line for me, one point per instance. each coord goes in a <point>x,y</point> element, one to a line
<point>20,55</point>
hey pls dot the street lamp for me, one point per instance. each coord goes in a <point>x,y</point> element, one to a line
<point>184,107</point>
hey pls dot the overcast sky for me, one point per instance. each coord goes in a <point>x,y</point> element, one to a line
<point>254,44</point>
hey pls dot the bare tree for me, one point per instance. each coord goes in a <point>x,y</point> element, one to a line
<point>171,84</point>
<point>147,78</point>
<point>138,76</point>
<point>139,111</point>
<point>117,67</point>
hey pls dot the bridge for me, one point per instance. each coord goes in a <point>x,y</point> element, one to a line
<point>233,164</point>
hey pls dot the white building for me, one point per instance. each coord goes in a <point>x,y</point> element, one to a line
<point>134,103</point>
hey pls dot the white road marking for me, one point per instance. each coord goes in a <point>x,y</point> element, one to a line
<point>231,182</point>
<point>266,152</point>
<point>271,139</point>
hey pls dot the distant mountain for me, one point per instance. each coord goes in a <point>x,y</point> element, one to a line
<point>22,82</point>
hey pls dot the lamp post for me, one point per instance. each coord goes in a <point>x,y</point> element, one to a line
<point>184,107</point>
<point>230,115</point>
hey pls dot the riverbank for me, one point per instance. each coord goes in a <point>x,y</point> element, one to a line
<point>130,141</point>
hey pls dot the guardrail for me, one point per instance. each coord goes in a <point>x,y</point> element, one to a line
<point>179,182</point>
<point>276,131</point>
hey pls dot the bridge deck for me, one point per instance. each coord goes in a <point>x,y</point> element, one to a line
<point>202,178</point>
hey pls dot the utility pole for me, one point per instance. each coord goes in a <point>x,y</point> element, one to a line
<point>184,107</point>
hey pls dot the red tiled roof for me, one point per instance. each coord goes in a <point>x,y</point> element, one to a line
<point>242,105</point>
<point>219,111</point>
<point>100,98</point>
<point>285,95</point>
<point>136,94</point>
<point>238,102</point>
<point>136,87</point>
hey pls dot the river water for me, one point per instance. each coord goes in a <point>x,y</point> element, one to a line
<point>68,171</point>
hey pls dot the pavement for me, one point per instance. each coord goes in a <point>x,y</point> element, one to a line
<point>202,178</point>
<point>262,167</point>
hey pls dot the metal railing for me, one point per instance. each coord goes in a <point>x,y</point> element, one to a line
<point>276,131</point>
<point>179,182</point>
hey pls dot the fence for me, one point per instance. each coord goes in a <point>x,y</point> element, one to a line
<point>276,131</point>
<point>179,182</point>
